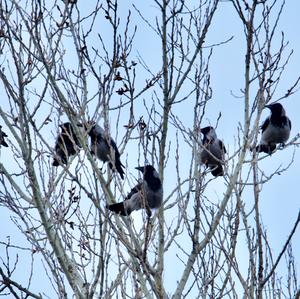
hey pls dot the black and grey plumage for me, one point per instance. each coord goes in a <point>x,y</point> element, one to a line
<point>275,129</point>
<point>2,136</point>
<point>67,144</point>
<point>148,194</point>
<point>105,148</point>
<point>213,151</point>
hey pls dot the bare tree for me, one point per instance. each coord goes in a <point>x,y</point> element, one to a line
<point>77,62</point>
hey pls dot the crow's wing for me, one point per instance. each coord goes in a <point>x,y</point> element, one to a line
<point>134,190</point>
<point>265,124</point>
<point>222,146</point>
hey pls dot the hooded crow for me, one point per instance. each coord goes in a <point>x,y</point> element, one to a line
<point>104,147</point>
<point>2,136</point>
<point>148,194</point>
<point>67,144</point>
<point>275,129</point>
<point>213,151</point>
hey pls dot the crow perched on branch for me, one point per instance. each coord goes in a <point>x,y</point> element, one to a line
<point>148,194</point>
<point>67,144</point>
<point>213,152</point>
<point>105,148</point>
<point>275,129</point>
<point>2,136</point>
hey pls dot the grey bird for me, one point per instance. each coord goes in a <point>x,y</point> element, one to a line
<point>148,194</point>
<point>213,151</point>
<point>2,136</point>
<point>67,144</point>
<point>275,129</point>
<point>105,148</point>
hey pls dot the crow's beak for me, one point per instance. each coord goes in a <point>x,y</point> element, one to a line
<point>140,168</point>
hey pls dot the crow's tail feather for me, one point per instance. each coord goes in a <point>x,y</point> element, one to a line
<point>265,148</point>
<point>118,208</point>
<point>218,170</point>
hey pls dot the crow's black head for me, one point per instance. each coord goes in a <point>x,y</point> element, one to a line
<point>151,176</point>
<point>147,169</point>
<point>206,130</point>
<point>276,108</point>
<point>89,127</point>
<point>66,127</point>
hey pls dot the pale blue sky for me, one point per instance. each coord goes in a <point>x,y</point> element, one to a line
<point>279,198</point>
